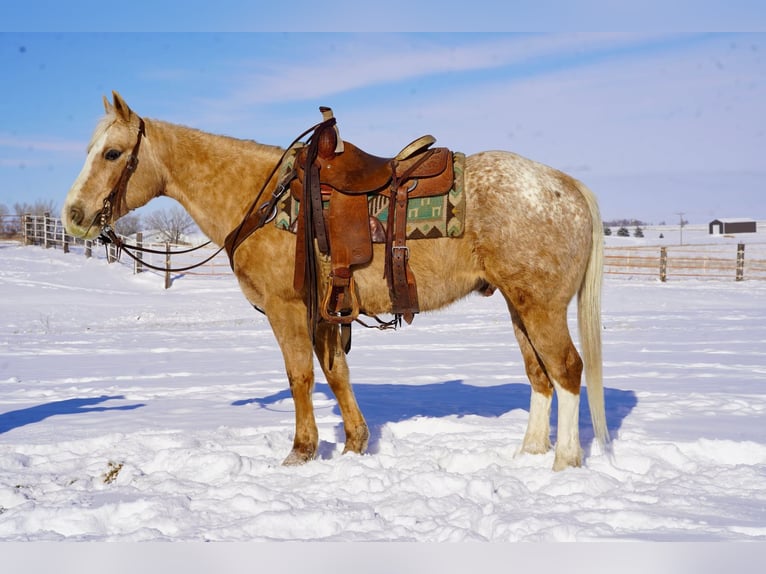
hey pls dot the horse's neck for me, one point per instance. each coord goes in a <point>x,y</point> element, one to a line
<point>215,178</point>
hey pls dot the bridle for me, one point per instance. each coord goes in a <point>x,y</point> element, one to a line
<point>117,197</point>
<point>120,189</point>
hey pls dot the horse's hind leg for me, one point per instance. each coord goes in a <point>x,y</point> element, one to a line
<point>537,439</point>
<point>551,360</point>
<point>333,362</point>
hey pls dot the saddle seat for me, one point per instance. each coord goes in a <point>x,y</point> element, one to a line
<point>353,171</point>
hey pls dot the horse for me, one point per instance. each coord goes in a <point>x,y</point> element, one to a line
<point>531,232</point>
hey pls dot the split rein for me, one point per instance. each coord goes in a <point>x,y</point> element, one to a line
<point>119,191</point>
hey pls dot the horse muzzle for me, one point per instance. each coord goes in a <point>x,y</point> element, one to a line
<point>78,225</point>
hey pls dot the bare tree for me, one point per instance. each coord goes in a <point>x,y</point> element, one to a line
<point>129,224</point>
<point>7,223</point>
<point>39,207</point>
<point>171,223</point>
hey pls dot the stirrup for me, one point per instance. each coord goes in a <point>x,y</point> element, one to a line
<point>340,304</point>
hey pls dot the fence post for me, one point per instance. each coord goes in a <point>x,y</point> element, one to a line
<point>64,240</point>
<point>46,230</point>
<point>663,264</point>
<point>88,248</point>
<point>29,233</point>
<point>138,266</point>
<point>740,261</point>
<point>167,266</point>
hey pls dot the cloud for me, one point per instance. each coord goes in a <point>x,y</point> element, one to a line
<point>603,103</point>
<point>695,107</point>
<point>44,144</point>
<point>352,62</point>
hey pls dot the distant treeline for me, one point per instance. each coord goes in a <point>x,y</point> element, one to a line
<point>625,223</point>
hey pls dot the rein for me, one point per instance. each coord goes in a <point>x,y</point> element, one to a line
<point>117,197</point>
<point>118,194</point>
<point>266,212</point>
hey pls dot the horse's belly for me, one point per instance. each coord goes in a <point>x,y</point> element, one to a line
<point>444,271</point>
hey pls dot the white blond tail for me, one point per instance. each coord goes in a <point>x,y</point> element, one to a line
<point>589,323</point>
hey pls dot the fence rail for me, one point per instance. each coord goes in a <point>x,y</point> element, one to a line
<point>49,232</point>
<point>10,226</point>
<point>713,261</point>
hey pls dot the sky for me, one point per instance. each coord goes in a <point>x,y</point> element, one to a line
<point>656,123</point>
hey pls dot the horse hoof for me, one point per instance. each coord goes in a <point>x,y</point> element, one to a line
<point>564,461</point>
<point>298,457</point>
<point>357,440</point>
<point>534,447</point>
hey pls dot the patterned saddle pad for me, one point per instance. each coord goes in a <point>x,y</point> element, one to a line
<point>427,217</point>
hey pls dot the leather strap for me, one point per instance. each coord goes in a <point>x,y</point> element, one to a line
<point>116,197</point>
<point>401,280</point>
<point>313,224</point>
<point>313,190</point>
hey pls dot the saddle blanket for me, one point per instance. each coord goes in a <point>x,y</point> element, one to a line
<point>427,217</point>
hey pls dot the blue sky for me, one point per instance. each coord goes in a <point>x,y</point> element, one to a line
<point>655,123</point>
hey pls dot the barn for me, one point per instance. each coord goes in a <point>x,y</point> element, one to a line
<point>726,226</point>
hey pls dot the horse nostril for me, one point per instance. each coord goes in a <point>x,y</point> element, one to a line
<point>76,215</point>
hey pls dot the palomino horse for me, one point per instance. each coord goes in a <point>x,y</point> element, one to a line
<point>531,231</point>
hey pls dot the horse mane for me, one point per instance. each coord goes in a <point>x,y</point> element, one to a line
<point>195,133</point>
<point>111,117</point>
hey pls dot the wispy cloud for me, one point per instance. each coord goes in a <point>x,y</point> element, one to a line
<point>12,162</point>
<point>693,108</point>
<point>353,62</point>
<point>42,144</point>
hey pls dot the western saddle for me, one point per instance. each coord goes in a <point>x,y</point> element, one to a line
<point>332,179</point>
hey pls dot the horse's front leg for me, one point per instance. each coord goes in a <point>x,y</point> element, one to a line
<point>288,321</point>
<point>333,361</point>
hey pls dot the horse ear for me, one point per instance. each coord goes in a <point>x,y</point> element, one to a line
<point>120,107</point>
<point>107,105</point>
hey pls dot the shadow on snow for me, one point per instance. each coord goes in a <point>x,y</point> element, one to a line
<point>391,403</point>
<point>31,415</point>
<point>381,404</point>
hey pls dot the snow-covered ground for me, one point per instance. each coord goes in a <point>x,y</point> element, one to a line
<point>133,413</point>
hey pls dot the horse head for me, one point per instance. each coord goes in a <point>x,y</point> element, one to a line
<point>116,178</point>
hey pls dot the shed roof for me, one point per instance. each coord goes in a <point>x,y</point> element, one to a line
<point>734,220</point>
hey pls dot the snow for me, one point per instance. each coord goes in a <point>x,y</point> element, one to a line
<point>133,413</point>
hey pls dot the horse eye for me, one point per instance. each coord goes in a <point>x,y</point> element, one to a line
<point>112,154</point>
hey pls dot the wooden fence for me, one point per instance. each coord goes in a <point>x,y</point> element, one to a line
<point>704,261</point>
<point>48,232</point>
<point>10,226</point>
